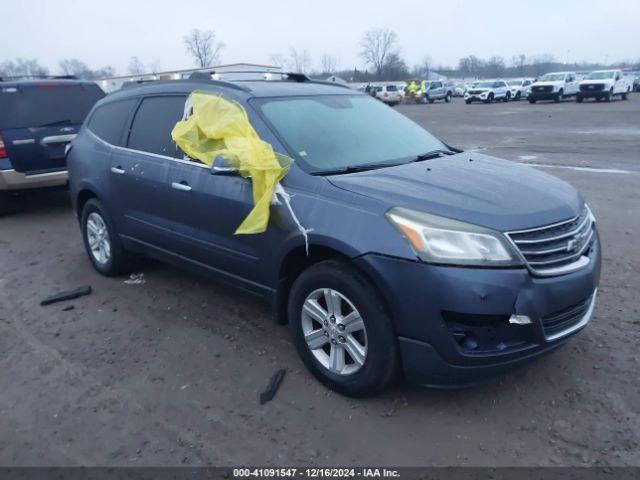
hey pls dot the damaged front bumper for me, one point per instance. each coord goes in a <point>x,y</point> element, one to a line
<point>457,326</point>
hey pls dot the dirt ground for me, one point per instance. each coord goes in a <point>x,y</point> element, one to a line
<point>168,372</point>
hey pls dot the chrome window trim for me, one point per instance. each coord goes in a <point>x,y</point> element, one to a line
<point>577,326</point>
<point>150,154</point>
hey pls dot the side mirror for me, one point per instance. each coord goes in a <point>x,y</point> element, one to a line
<point>223,166</point>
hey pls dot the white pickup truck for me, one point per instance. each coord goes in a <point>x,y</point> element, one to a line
<point>554,86</point>
<point>604,85</point>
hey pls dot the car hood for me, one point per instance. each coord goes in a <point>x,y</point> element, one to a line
<point>545,84</point>
<point>470,187</point>
<point>606,81</point>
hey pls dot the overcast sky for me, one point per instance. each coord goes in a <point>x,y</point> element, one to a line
<point>110,32</point>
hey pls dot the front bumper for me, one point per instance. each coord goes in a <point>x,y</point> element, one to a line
<point>453,322</point>
<point>593,93</point>
<point>481,97</point>
<point>12,180</point>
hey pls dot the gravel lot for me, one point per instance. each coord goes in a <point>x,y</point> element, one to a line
<point>168,372</point>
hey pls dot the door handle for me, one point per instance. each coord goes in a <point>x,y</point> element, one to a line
<point>119,170</point>
<point>183,187</point>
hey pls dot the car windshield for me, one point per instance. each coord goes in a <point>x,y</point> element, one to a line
<point>334,132</point>
<point>552,77</point>
<point>40,104</point>
<point>483,84</point>
<point>600,75</point>
<point>392,88</point>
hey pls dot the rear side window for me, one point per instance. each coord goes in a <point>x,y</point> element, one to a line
<point>152,125</point>
<point>41,104</point>
<point>108,121</point>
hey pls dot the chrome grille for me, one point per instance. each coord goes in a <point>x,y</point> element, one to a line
<point>592,87</point>
<point>554,249</point>
<point>542,88</point>
<point>558,322</point>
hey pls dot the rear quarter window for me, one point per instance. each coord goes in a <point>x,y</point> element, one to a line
<point>108,120</point>
<point>153,123</point>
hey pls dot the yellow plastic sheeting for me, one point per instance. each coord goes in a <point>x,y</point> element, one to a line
<point>220,127</point>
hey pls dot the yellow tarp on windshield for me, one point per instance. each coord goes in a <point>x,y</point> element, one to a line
<point>221,127</point>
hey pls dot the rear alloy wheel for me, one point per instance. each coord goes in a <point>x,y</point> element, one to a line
<point>101,240</point>
<point>340,329</point>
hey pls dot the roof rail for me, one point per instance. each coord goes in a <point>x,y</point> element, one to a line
<point>39,77</point>
<point>267,75</point>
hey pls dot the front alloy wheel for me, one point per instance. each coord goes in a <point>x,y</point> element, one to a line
<point>101,240</point>
<point>334,331</point>
<point>341,328</point>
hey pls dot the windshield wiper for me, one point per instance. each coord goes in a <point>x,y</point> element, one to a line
<point>432,154</point>
<point>356,168</point>
<point>66,121</point>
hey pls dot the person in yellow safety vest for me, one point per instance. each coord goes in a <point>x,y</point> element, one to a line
<point>423,90</point>
<point>412,88</point>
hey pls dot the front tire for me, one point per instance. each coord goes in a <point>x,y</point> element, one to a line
<point>447,99</point>
<point>101,240</point>
<point>518,96</point>
<point>468,102</point>
<point>341,330</point>
<point>489,98</point>
<point>559,97</point>
<point>507,97</point>
<point>532,100</point>
<point>579,98</point>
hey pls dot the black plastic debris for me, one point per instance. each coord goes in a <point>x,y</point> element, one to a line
<point>70,295</point>
<point>272,389</point>
<point>68,308</point>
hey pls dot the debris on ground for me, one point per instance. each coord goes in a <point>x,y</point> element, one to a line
<point>68,308</point>
<point>69,295</point>
<point>136,279</point>
<point>272,389</point>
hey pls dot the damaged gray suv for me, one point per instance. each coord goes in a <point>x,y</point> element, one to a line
<point>445,266</point>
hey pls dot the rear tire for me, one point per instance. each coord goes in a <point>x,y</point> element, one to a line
<point>507,97</point>
<point>532,100</point>
<point>625,95</point>
<point>353,296</point>
<point>609,96</point>
<point>101,240</point>
<point>468,102</point>
<point>579,98</point>
<point>447,98</point>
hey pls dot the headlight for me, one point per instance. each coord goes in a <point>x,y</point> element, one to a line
<point>443,240</point>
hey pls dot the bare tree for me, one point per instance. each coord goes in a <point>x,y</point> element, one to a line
<point>376,46</point>
<point>136,67</point>
<point>329,63</point>
<point>279,61</point>
<point>73,66</point>
<point>300,60</point>
<point>22,67</point>
<point>203,47</point>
